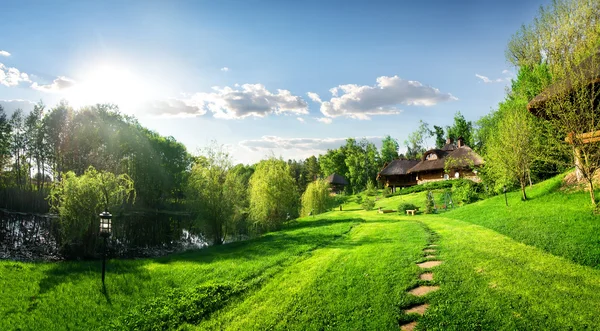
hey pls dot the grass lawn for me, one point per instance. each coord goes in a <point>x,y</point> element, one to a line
<point>530,266</point>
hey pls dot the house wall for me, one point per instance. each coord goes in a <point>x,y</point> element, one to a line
<point>399,180</point>
<point>438,175</point>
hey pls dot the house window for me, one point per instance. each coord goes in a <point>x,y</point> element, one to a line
<point>456,175</point>
<point>431,156</point>
<point>446,177</point>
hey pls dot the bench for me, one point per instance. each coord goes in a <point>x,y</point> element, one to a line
<point>410,211</point>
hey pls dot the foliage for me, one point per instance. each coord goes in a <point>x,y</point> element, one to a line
<point>403,207</point>
<point>426,187</point>
<point>429,203</point>
<point>177,307</point>
<point>317,198</point>
<point>79,200</point>
<point>216,194</point>
<point>461,128</point>
<point>273,195</point>
<point>368,204</point>
<point>363,162</point>
<point>465,191</point>
<point>415,143</point>
<point>438,132</point>
<point>387,191</point>
<point>371,189</point>
<point>389,149</point>
<point>359,199</point>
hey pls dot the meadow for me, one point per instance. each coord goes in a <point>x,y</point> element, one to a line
<point>532,265</point>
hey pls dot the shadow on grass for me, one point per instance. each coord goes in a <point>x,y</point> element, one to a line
<point>305,233</point>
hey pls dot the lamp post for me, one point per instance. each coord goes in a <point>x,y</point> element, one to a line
<point>105,230</point>
<point>505,198</point>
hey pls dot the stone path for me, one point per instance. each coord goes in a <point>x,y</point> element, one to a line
<point>423,290</point>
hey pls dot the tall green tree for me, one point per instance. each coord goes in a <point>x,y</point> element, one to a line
<point>317,198</point>
<point>273,194</point>
<point>440,140</point>
<point>215,194</point>
<point>415,143</point>
<point>5,138</point>
<point>461,128</point>
<point>389,149</point>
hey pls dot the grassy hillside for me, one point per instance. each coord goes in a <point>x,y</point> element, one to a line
<point>554,220</point>
<point>347,269</point>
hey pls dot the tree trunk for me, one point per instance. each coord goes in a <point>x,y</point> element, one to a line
<point>592,193</point>
<point>523,185</point>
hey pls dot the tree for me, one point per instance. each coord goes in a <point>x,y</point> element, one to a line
<point>415,144</point>
<point>215,194</point>
<point>461,128</point>
<point>79,199</point>
<point>440,141</point>
<point>273,194</point>
<point>514,146</point>
<point>313,169</point>
<point>334,162</point>
<point>317,198</point>
<point>389,149</point>
<point>5,137</point>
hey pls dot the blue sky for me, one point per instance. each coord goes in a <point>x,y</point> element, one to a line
<point>291,78</point>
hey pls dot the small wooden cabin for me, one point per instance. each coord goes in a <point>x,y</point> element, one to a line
<point>461,161</point>
<point>337,183</point>
<point>395,174</point>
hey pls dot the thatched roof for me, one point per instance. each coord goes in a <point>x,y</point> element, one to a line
<point>398,167</point>
<point>463,157</point>
<point>336,179</point>
<point>588,70</point>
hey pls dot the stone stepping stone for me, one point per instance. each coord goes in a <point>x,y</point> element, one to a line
<point>422,290</point>
<point>429,264</point>
<point>430,256</point>
<point>420,309</point>
<point>408,327</point>
<point>426,276</point>
<point>428,250</point>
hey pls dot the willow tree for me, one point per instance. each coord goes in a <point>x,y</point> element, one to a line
<point>79,199</point>
<point>215,194</point>
<point>273,194</point>
<point>317,198</point>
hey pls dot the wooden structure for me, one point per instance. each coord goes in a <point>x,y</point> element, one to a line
<point>337,183</point>
<point>588,71</point>
<point>395,174</point>
<point>459,160</point>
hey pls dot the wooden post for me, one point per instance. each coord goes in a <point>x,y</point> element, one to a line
<point>577,156</point>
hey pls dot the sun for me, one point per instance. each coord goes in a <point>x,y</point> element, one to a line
<point>109,84</point>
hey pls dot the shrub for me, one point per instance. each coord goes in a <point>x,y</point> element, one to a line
<point>426,187</point>
<point>371,189</point>
<point>403,207</point>
<point>465,191</point>
<point>368,204</point>
<point>429,203</point>
<point>359,199</point>
<point>387,191</point>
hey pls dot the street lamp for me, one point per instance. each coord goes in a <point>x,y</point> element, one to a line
<point>105,230</point>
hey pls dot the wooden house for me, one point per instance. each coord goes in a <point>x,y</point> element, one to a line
<point>395,174</point>
<point>450,162</point>
<point>337,183</point>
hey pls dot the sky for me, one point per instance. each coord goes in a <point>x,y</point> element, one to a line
<point>283,78</point>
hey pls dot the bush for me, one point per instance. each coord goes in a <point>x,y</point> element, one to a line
<point>371,189</point>
<point>429,203</point>
<point>465,191</point>
<point>426,187</point>
<point>368,204</point>
<point>387,191</point>
<point>359,199</point>
<point>403,207</point>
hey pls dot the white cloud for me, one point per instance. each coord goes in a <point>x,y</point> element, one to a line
<point>12,76</point>
<point>363,101</point>
<point>312,145</point>
<point>507,77</point>
<point>173,108</point>
<point>300,119</point>
<point>314,97</point>
<point>325,120</point>
<point>248,100</point>
<point>59,84</point>
<point>4,53</point>
<point>225,69</point>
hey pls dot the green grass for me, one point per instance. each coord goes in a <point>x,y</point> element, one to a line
<point>530,266</point>
<point>559,222</point>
